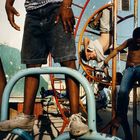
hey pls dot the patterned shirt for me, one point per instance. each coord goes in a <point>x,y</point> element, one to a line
<point>34,4</point>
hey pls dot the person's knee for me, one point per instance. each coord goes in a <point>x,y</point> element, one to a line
<point>69,64</point>
<point>33,65</point>
<point>35,76</point>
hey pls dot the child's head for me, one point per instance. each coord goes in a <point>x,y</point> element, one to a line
<point>89,55</point>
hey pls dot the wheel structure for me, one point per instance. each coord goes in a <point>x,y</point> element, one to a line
<point>91,72</point>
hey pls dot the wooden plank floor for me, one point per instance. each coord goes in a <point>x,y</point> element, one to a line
<point>47,126</point>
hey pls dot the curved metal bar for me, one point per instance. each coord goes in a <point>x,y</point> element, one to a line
<point>56,70</point>
<point>124,18</point>
<point>80,17</point>
<point>92,134</point>
<point>87,67</point>
<point>80,42</point>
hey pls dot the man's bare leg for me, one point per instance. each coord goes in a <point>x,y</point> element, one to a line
<point>26,119</point>
<point>76,125</point>
<point>30,91</point>
<point>72,88</point>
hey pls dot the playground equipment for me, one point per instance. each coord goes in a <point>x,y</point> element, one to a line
<point>91,71</point>
<point>92,134</point>
<point>136,122</point>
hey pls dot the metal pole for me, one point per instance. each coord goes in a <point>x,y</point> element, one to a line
<point>135,113</point>
<point>114,59</point>
<point>135,13</point>
<point>135,89</point>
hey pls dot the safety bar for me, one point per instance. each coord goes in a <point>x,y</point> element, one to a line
<point>92,134</point>
<point>55,70</point>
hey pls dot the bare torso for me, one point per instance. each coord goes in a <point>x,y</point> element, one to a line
<point>133,58</point>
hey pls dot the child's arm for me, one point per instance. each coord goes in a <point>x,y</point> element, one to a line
<point>111,55</point>
<point>106,71</point>
<point>115,52</point>
<point>108,77</point>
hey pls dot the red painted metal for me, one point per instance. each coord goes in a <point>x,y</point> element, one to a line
<point>80,16</point>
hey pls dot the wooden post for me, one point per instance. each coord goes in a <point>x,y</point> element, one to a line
<point>114,60</point>
<point>135,13</point>
<point>135,113</point>
<point>115,2</point>
<point>135,89</point>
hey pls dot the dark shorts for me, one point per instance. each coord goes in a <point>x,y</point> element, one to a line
<point>42,36</point>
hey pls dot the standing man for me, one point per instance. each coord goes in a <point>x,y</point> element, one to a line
<point>130,76</point>
<point>48,29</point>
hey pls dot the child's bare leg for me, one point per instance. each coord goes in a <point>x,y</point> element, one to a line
<point>108,77</point>
<point>104,39</point>
<point>106,71</point>
<point>86,42</point>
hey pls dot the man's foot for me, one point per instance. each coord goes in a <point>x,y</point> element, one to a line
<point>116,122</point>
<point>77,125</point>
<point>22,121</point>
<point>126,129</point>
<point>125,125</point>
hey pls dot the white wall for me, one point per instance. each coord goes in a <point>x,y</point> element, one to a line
<point>9,35</point>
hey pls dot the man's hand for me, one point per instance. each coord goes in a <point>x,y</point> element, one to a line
<point>104,66</point>
<point>11,12</point>
<point>67,17</point>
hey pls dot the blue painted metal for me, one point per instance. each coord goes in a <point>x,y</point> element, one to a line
<point>48,70</point>
<point>92,134</point>
<point>23,134</point>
